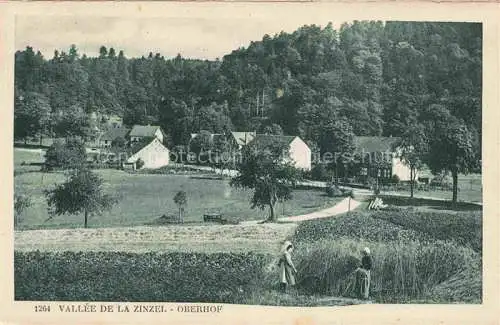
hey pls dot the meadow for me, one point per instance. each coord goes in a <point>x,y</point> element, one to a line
<point>143,198</point>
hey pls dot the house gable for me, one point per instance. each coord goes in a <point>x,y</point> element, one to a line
<point>299,151</point>
<point>153,154</point>
<point>243,138</point>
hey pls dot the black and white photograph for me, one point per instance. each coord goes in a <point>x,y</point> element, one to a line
<point>325,162</point>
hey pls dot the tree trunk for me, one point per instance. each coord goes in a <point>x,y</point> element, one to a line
<point>86,218</point>
<point>271,213</point>
<point>454,174</point>
<point>411,181</point>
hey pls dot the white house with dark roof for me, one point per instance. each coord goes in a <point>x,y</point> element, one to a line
<point>154,154</point>
<point>300,153</point>
<point>141,132</point>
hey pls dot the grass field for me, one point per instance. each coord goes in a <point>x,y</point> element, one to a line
<point>144,198</point>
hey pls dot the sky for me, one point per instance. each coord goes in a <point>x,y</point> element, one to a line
<point>198,37</point>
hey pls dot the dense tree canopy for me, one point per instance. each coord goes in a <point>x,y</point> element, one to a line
<point>381,78</point>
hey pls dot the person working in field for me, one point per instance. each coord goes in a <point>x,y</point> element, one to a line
<point>363,275</point>
<point>287,269</point>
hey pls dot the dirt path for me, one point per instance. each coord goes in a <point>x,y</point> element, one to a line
<point>343,206</point>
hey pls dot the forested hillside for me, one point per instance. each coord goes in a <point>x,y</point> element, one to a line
<point>368,78</point>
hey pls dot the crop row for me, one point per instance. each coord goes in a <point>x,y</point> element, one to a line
<point>116,276</point>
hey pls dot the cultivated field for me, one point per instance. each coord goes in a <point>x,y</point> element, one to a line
<point>418,257</point>
<point>258,238</point>
<point>144,198</point>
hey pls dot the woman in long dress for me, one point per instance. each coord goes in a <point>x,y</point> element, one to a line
<point>287,268</point>
<point>363,276</point>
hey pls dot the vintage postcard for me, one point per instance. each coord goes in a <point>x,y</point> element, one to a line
<point>241,163</point>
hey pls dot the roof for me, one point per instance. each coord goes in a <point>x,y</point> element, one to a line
<point>113,133</point>
<point>243,138</point>
<point>147,131</point>
<point>265,139</point>
<point>137,147</point>
<point>375,144</point>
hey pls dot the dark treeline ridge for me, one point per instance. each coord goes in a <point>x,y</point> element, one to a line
<point>367,78</point>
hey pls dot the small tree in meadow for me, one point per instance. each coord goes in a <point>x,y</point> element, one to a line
<point>21,203</point>
<point>181,200</point>
<point>81,193</point>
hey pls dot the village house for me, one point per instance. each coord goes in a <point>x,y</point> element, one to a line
<point>110,136</point>
<point>241,139</point>
<point>152,153</point>
<point>379,159</point>
<point>146,132</point>
<point>299,151</point>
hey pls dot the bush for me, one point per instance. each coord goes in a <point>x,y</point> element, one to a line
<point>334,191</point>
<point>320,172</point>
<point>117,276</point>
<point>139,163</point>
<point>395,179</point>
